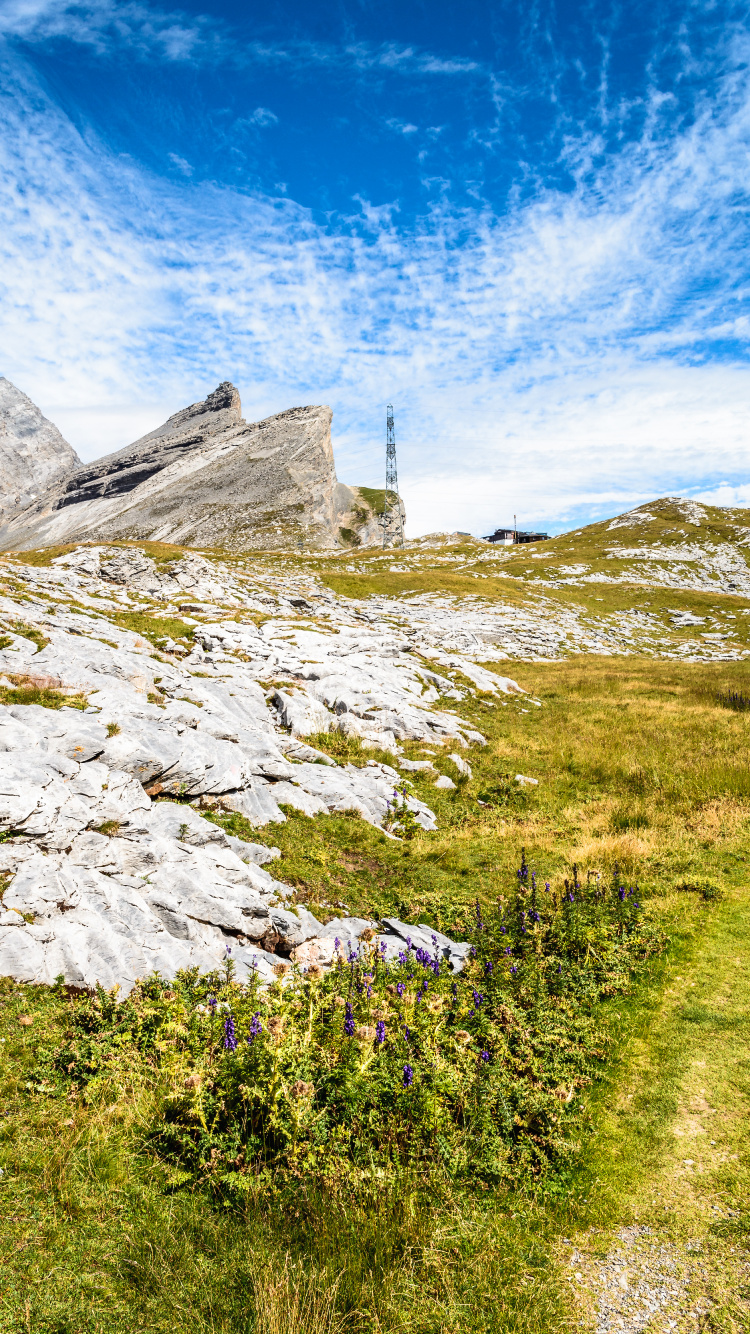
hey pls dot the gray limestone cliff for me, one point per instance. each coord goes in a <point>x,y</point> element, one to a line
<point>207,478</point>
<point>33,454</point>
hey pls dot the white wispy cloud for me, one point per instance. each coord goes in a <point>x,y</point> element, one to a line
<point>181,164</point>
<point>556,361</point>
<point>103,24</point>
<point>401,126</point>
<point>172,34</point>
<point>262,116</point>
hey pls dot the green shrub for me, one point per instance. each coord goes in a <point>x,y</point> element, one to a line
<point>378,1065</point>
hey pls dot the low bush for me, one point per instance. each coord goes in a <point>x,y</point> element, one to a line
<point>378,1063</point>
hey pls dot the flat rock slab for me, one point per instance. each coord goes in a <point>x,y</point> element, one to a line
<point>114,866</point>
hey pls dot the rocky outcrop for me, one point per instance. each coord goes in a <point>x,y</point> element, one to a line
<point>108,867</point>
<point>206,478</point>
<point>33,454</point>
<point>359,512</point>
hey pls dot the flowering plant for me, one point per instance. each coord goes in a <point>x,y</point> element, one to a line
<point>383,1061</point>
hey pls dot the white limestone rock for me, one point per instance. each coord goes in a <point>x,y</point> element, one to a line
<point>110,879</point>
<point>33,453</point>
<point>461,764</point>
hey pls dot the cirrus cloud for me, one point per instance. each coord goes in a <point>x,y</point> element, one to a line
<point>568,356</point>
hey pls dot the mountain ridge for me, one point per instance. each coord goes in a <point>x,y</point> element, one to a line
<point>206,477</point>
<point>33,453</point>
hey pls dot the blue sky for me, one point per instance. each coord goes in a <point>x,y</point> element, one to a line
<point>526,225</point>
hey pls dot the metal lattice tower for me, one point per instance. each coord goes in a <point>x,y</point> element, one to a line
<point>393,525</point>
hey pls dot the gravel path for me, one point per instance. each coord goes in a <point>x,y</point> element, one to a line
<point>644,1283</point>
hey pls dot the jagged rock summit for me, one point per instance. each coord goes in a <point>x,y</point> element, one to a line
<point>206,478</point>
<point>33,454</point>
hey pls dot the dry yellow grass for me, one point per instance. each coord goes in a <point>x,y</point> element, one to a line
<point>291,1299</point>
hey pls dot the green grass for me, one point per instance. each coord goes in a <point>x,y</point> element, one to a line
<point>29,632</point>
<point>42,557</point>
<point>23,693</point>
<point>374,498</point>
<point>153,627</point>
<point>639,765</point>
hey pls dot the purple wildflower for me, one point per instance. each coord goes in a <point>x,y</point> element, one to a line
<point>513,969</point>
<point>407,1033</point>
<point>488,966</point>
<point>228,949</point>
<point>383,948</point>
<point>478,997</point>
<point>484,1056</point>
<point>230,1041</point>
<point>380,1031</point>
<point>408,1076</point>
<point>348,1021</point>
<point>256,1027</point>
<point>400,988</point>
<point>337,944</point>
<point>212,1003</point>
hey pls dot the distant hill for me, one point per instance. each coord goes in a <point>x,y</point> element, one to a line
<point>670,543</point>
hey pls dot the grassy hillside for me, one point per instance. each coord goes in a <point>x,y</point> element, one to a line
<point>641,768</point>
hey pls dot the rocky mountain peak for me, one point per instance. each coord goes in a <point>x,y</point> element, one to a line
<point>33,453</point>
<point>218,411</point>
<point>205,477</point>
<point>224,396</point>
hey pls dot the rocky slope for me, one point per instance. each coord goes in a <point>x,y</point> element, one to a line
<point>109,879</point>
<point>207,478</point>
<point>33,454</point>
<point>202,678</point>
<point>669,579</point>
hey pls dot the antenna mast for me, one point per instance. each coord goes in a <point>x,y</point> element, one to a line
<point>393,526</point>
